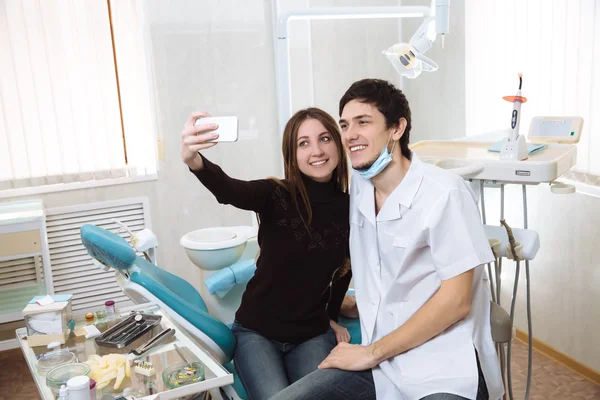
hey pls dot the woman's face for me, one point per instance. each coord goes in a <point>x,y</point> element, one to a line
<point>316,152</point>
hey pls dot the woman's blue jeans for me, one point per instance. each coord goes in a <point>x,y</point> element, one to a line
<point>266,366</point>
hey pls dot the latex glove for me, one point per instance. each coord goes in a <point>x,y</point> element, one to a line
<point>106,368</point>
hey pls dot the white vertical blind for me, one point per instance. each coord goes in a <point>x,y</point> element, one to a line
<point>60,119</point>
<point>556,45</point>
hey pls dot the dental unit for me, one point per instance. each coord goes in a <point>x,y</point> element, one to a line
<point>494,164</point>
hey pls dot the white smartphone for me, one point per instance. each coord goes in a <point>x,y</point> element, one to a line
<point>227,130</point>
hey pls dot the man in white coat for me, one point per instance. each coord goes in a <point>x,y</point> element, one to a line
<point>418,248</point>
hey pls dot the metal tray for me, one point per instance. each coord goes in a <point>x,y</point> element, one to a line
<point>150,320</point>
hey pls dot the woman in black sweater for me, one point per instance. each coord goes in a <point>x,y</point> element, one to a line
<point>286,323</point>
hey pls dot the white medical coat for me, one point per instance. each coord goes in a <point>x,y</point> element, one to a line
<point>428,230</point>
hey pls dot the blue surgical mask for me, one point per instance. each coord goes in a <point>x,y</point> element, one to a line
<point>385,157</point>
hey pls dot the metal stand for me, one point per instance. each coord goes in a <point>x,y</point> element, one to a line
<point>496,283</point>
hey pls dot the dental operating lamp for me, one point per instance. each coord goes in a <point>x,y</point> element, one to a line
<point>407,58</point>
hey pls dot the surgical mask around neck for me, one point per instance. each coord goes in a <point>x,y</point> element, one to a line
<point>385,157</point>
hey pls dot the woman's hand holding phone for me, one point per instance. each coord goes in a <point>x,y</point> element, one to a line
<point>195,138</point>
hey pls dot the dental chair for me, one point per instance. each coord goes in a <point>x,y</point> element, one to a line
<point>144,282</point>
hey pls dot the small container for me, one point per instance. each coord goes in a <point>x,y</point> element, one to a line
<point>89,316</point>
<point>183,374</point>
<point>93,389</point>
<point>101,315</point>
<point>110,308</point>
<point>48,323</point>
<point>54,359</point>
<point>79,388</point>
<point>61,375</point>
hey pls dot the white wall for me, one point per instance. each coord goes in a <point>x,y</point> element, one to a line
<point>565,276</point>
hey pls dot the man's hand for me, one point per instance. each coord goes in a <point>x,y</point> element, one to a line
<point>350,357</point>
<point>341,334</point>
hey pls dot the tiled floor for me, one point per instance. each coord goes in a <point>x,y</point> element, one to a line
<point>550,381</point>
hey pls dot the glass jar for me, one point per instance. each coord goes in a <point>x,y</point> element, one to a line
<point>110,308</point>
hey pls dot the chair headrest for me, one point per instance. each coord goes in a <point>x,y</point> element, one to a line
<point>107,247</point>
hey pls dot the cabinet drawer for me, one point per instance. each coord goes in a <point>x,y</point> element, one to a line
<point>20,243</point>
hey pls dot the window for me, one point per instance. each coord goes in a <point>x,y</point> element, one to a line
<point>75,94</point>
<point>556,45</point>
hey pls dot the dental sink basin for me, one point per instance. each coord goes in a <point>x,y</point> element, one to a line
<point>213,249</point>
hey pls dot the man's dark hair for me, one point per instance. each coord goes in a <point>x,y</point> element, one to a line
<point>389,100</point>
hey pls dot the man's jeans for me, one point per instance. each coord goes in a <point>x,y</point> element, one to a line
<point>333,384</point>
<point>266,367</point>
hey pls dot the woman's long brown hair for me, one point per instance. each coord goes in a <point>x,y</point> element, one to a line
<point>295,185</point>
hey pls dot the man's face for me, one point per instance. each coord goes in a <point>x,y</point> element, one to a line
<point>364,133</point>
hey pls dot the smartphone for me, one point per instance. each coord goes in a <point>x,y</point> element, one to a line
<point>227,130</point>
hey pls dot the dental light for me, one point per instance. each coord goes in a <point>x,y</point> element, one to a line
<point>407,58</point>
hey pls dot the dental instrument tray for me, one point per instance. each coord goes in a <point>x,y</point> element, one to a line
<point>127,331</point>
<point>471,159</point>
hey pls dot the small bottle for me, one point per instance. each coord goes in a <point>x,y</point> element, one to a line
<point>63,393</point>
<point>110,308</point>
<point>79,388</point>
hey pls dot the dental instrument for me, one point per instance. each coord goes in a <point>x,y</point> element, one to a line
<point>145,368</point>
<point>411,55</point>
<point>127,331</point>
<point>155,341</point>
<point>178,349</point>
<point>514,146</point>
